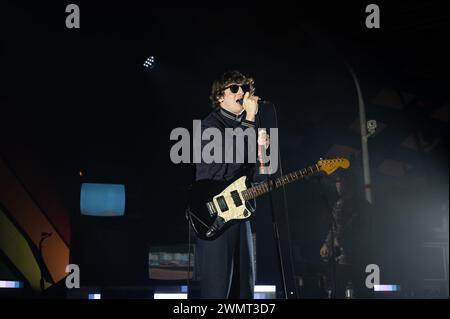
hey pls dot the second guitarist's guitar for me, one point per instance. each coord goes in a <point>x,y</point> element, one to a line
<point>214,205</point>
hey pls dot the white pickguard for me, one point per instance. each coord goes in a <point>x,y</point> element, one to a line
<point>233,211</point>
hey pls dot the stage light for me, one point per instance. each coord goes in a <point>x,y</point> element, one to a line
<point>150,62</point>
<point>95,296</point>
<point>386,288</point>
<point>171,292</point>
<point>264,292</point>
<point>265,288</point>
<point>170,296</point>
<point>10,284</point>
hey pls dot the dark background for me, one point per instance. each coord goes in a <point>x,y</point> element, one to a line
<point>81,100</point>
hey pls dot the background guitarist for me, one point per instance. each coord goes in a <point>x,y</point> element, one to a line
<point>225,265</point>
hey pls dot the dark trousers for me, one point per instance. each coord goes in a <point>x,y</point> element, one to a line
<point>226,266</point>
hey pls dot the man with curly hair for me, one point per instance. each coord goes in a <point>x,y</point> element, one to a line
<point>225,264</point>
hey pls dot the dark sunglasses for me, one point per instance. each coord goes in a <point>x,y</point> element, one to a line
<point>234,88</point>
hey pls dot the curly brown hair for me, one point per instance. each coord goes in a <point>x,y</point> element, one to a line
<point>227,78</point>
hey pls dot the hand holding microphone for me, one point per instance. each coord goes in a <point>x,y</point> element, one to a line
<point>250,105</point>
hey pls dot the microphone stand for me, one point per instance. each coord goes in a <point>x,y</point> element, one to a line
<point>274,222</point>
<point>332,238</point>
<point>277,241</point>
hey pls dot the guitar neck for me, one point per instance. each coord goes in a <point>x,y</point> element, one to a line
<point>266,187</point>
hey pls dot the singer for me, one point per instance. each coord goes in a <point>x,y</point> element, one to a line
<point>225,266</point>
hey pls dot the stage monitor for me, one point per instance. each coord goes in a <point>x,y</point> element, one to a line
<point>102,199</point>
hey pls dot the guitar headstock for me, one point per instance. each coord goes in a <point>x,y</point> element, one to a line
<point>330,165</point>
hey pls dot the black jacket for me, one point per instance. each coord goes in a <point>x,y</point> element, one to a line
<point>222,119</point>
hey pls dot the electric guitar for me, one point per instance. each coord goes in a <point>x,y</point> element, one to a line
<point>215,205</point>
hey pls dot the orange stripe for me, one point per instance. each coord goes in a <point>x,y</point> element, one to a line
<point>16,248</point>
<point>33,222</point>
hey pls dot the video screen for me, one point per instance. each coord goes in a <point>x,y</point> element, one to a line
<point>171,262</point>
<point>102,199</point>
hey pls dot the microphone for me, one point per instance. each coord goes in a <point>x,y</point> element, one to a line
<point>241,101</point>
